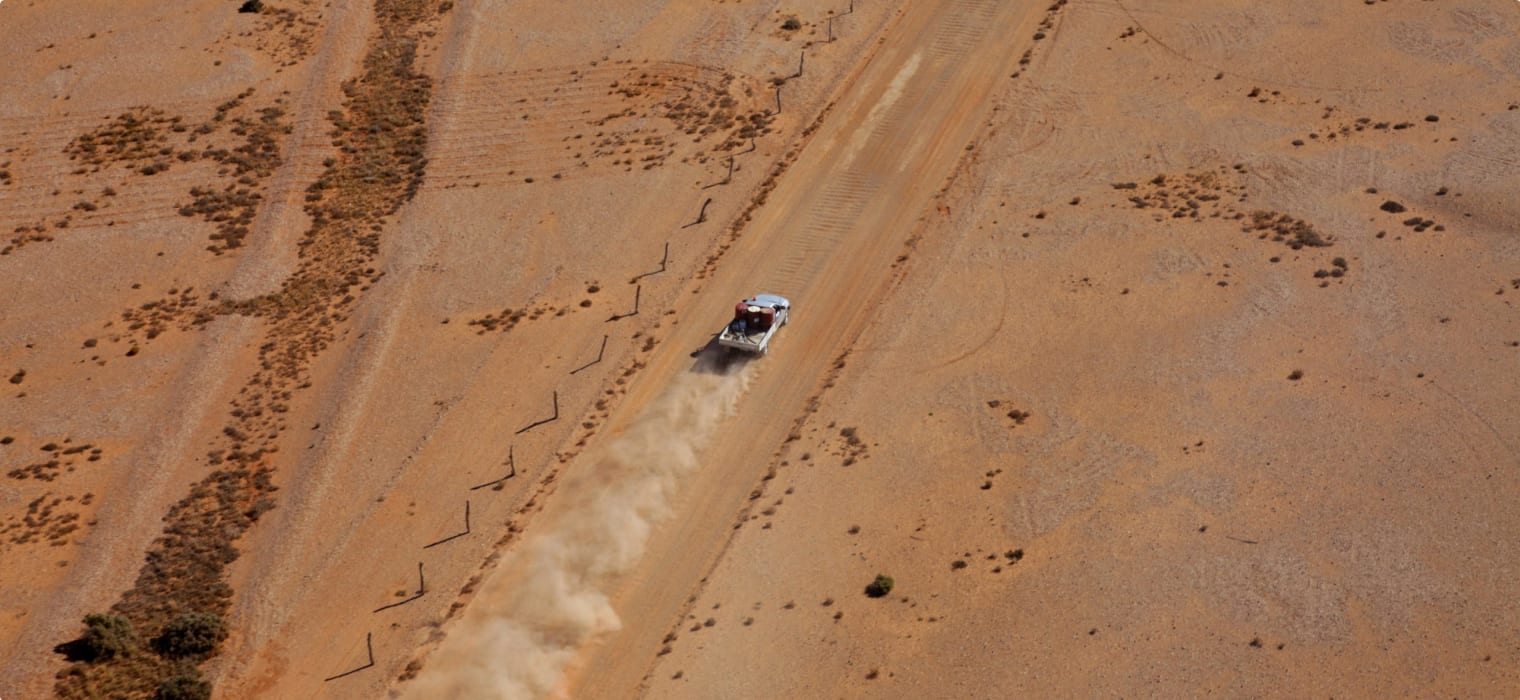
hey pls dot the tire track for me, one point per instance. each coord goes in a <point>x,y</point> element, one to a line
<point>841,202</point>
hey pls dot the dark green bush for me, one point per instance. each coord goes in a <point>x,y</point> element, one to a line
<point>107,636</point>
<point>881,586</point>
<point>190,634</point>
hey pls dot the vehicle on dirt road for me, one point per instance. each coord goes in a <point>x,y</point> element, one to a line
<point>756,321</point>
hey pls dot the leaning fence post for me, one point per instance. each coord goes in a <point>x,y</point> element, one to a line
<point>701,215</point>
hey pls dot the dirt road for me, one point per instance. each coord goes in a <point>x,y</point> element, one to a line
<point>827,239</point>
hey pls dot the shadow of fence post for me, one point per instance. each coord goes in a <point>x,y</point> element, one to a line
<point>421,589</point>
<point>833,17</point>
<point>726,178</point>
<point>664,259</point>
<point>535,424</point>
<point>456,535</point>
<point>637,292</point>
<point>591,363</point>
<point>511,464</point>
<point>370,648</point>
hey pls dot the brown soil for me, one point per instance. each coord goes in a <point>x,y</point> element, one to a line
<point>1147,347</point>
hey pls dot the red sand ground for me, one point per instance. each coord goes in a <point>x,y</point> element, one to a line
<point>1049,368</point>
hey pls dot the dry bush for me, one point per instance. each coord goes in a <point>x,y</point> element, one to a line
<point>1293,232</point>
<point>134,135</point>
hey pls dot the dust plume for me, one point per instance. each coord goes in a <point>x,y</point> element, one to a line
<point>547,598</point>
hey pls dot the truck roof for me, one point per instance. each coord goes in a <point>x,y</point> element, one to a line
<point>768,300</point>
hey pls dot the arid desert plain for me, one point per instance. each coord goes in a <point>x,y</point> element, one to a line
<point>1137,348</point>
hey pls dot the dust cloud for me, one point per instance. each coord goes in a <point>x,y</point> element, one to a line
<point>547,598</point>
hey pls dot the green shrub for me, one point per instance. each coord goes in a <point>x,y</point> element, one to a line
<point>252,6</point>
<point>881,586</point>
<point>791,24</point>
<point>107,636</point>
<point>190,634</point>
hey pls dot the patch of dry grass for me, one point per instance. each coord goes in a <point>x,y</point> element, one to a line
<point>1288,230</point>
<point>381,136</point>
<point>134,136</point>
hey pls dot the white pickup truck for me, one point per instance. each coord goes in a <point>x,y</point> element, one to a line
<point>756,320</point>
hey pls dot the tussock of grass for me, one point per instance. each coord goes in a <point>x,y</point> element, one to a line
<point>1291,231</point>
<point>132,136</point>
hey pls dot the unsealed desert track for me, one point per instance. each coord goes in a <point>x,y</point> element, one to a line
<point>827,238</point>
